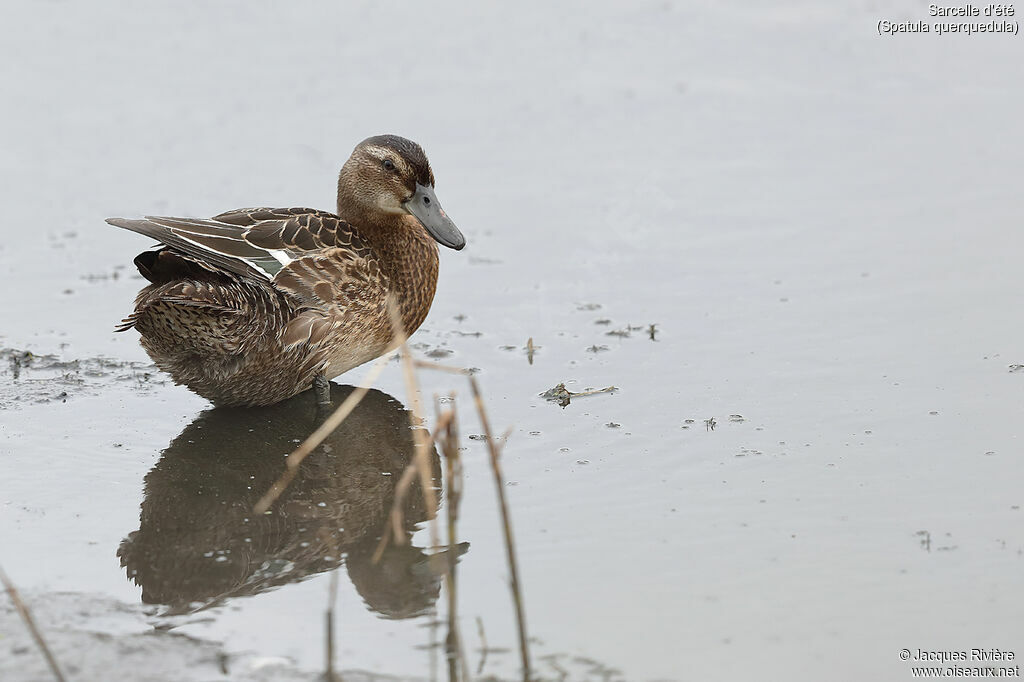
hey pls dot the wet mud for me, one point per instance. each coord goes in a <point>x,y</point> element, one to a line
<point>30,378</point>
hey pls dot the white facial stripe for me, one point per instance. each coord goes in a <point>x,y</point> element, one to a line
<point>381,153</point>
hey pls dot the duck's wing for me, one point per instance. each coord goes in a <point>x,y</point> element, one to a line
<point>334,288</point>
<point>314,257</point>
<point>252,242</point>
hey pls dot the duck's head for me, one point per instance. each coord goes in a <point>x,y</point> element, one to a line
<point>390,175</point>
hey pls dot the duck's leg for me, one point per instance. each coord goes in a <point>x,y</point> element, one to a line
<point>322,388</point>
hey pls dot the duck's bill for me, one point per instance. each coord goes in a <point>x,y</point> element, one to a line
<point>427,209</point>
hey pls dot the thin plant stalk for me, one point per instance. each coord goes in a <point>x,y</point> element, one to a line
<point>30,623</point>
<point>432,645</point>
<point>332,601</point>
<point>483,646</point>
<point>293,460</point>
<point>395,518</point>
<point>420,435</point>
<point>453,470</point>
<point>506,523</point>
<point>452,640</point>
<point>492,448</point>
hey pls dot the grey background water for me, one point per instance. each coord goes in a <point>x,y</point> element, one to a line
<point>822,222</point>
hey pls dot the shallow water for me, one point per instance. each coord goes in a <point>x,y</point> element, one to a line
<point>821,223</point>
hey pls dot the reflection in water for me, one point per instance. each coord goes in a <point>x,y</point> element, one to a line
<point>199,542</point>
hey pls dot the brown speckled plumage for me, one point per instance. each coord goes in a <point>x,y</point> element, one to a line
<point>249,307</point>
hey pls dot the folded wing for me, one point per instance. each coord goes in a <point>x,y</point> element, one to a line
<point>251,242</point>
<point>314,257</point>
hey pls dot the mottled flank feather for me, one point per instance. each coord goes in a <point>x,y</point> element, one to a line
<point>248,307</point>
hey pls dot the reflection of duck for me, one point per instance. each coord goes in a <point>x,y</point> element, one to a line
<point>199,542</point>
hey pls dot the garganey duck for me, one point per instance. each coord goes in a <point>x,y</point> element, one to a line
<point>255,305</point>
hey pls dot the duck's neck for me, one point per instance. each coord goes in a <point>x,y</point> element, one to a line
<point>406,254</point>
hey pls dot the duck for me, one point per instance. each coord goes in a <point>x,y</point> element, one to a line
<point>255,305</point>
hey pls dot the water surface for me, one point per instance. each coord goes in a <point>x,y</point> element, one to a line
<point>821,223</point>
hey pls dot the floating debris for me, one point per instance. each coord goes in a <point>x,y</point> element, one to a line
<point>530,350</point>
<point>588,306</point>
<point>563,396</point>
<point>603,321</point>
<point>596,349</point>
<point>439,353</point>
<point>652,329</point>
<point>613,425</point>
<point>558,394</point>
<point>467,333</point>
<point>1017,368</point>
<point>621,333</point>
<point>710,424</point>
<point>737,418</point>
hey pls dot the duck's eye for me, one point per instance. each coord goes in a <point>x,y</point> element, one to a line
<point>389,165</point>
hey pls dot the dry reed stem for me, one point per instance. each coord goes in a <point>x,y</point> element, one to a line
<point>293,460</point>
<point>483,646</point>
<point>420,464</point>
<point>432,647</point>
<point>416,419</point>
<point>26,616</point>
<point>423,364</point>
<point>424,442</point>
<point>332,600</point>
<point>593,391</point>
<point>395,517</point>
<point>495,451</point>
<point>450,447</point>
<point>506,523</point>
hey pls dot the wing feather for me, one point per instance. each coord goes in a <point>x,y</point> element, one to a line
<point>252,242</point>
